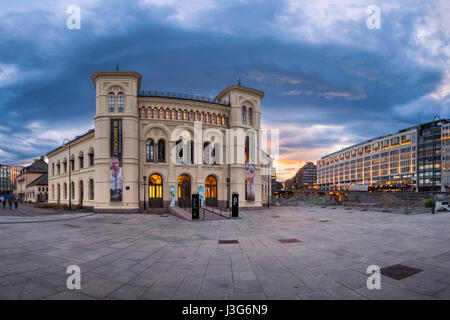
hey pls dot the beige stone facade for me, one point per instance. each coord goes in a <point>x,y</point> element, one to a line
<point>169,142</point>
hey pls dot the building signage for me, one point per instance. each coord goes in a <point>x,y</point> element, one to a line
<point>116,160</point>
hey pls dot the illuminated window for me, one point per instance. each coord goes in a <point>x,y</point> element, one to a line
<point>155,113</point>
<point>155,186</point>
<point>167,114</point>
<point>184,115</point>
<point>161,113</point>
<point>173,114</point>
<point>223,120</point>
<point>207,118</point>
<point>179,115</point>
<point>196,116</point>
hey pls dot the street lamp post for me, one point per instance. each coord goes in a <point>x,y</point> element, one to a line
<point>70,172</point>
<point>144,178</point>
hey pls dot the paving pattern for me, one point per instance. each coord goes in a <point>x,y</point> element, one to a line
<point>132,256</point>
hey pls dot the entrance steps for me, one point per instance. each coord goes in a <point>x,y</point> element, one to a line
<point>181,213</point>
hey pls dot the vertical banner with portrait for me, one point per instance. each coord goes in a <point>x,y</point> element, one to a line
<point>250,183</point>
<point>201,193</point>
<point>172,195</point>
<point>115,172</point>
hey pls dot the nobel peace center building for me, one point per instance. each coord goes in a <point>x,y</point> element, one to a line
<point>155,149</point>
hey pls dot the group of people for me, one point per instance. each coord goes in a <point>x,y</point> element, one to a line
<point>10,202</point>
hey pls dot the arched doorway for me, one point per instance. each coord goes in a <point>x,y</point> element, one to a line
<point>155,191</point>
<point>81,192</point>
<point>211,191</point>
<point>184,191</point>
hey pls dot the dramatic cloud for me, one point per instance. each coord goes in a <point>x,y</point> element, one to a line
<point>329,80</point>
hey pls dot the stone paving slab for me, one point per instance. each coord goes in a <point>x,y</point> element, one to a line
<point>145,256</point>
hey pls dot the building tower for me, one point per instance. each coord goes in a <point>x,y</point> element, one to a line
<point>116,136</point>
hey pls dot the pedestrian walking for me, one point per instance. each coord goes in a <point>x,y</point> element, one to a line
<point>16,204</point>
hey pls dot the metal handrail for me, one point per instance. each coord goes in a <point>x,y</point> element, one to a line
<point>150,93</point>
<point>219,214</point>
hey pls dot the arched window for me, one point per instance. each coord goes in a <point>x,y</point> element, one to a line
<point>53,191</point>
<point>65,165</point>
<point>189,146</point>
<point>161,151</point>
<point>150,150</point>
<point>120,102</point>
<point>65,190</point>
<point>155,113</point>
<point>72,162</point>
<point>167,114</point>
<point>91,156</point>
<point>207,153</point>
<point>213,118</point>
<point>53,170</point>
<point>211,191</point>
<point>244,115</point>
<point>161,113</point>
<point>111,102</point>
<point>223,120</point>
<point>149,113</point>
<point>155,191</point>
<point>250,116</point>
<point>196,116</point>
<point>207,117</point>
<point>247,148</point>
<point>174,116</point>
<point>91,189</point>
<point>202,116</point>
<point>191,116</point>
<point>143,112</point>
<point>73,190</point>
<point>81,157</point>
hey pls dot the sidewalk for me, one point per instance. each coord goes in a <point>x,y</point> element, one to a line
<point>28,213</point>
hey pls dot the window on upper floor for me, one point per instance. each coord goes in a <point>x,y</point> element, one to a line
<point>120,102</point>
<point>111,102</point>
<point>150,150</point>
<point>250,116</point>
<point>161,151</point>
<point>244,115</point>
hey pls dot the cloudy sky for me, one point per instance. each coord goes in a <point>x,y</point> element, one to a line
<point>329,80</point>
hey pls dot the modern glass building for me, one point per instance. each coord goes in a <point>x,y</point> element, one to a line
<point>409,160</point>
<point>8,176</point>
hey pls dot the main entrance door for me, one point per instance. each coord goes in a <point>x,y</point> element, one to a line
<point>211,191</point>
<point>155,191</point>
<point>184,191</point>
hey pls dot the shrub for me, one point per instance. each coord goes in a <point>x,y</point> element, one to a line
<point>429,203</point>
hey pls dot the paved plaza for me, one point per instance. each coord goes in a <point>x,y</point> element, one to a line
<point>144,256</point>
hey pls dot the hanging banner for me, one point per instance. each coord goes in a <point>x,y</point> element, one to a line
<point>201,194</point>
<point>116,160</point>
<point>250,183</point>
<point>172,195</point>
